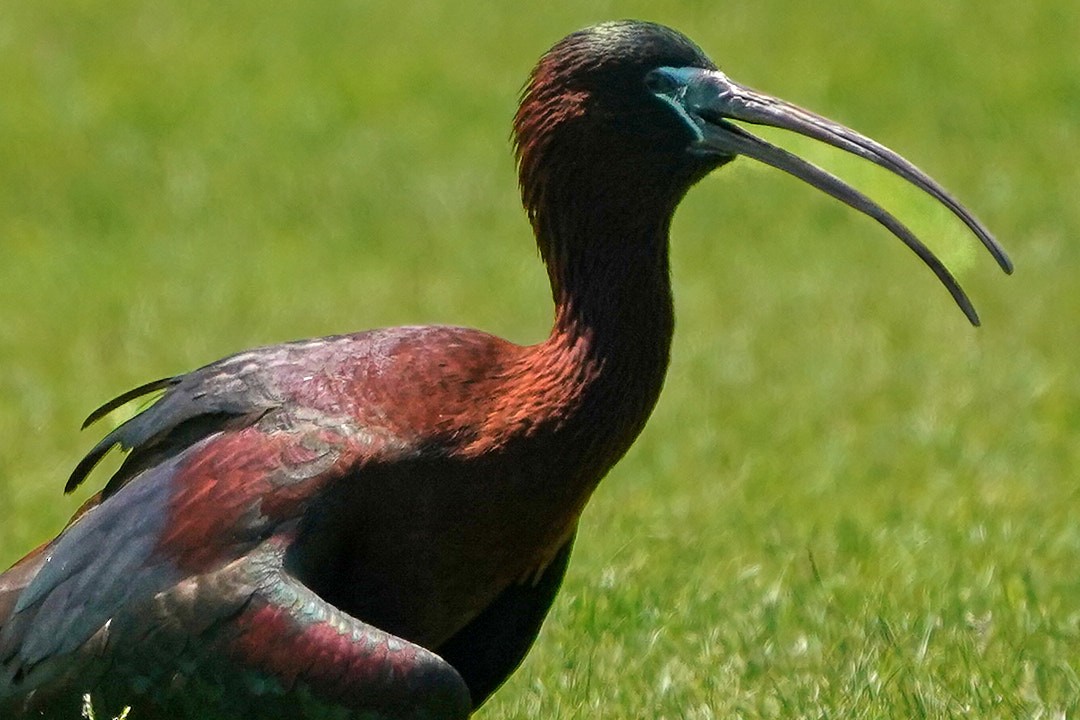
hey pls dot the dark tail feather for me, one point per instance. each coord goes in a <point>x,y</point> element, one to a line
<point>127,397</point>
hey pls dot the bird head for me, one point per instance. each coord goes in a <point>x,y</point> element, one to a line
<point>637,110</point>
<point>589,122</point>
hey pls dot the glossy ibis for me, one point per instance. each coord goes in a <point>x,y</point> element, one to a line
<point>374,525</point>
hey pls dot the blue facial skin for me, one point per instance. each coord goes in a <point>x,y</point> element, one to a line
<point>670,85</point>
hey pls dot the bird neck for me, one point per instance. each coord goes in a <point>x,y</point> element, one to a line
<point>611,338</point>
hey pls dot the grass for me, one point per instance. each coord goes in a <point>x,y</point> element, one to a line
<point>89,714</point>
<point>848,504</point>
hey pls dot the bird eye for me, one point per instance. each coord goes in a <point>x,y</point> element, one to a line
<point>662,82</point>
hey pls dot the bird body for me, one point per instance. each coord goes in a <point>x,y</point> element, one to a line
<point>374,525</point>
<point>352,461</point>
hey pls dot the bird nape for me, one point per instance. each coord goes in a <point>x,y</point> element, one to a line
<point>374,525</point>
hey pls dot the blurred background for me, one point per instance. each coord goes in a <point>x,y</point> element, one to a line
<point>849,503</point>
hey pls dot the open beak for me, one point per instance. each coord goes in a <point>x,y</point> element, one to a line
<point>708,99</point>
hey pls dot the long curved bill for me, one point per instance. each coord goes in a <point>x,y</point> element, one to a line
<point>709,99</point>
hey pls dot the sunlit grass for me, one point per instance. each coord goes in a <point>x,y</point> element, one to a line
<point>848,504</point>
<point>88,710</point>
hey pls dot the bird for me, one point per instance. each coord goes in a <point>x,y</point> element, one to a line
<point>375,524</point>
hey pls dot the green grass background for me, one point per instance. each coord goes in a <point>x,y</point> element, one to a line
<point>848,504</point>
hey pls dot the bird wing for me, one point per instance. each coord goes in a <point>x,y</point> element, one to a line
<point>359,377</point>
<point>192,529</point>
<point>231,391</point>
<point>186,561</point>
